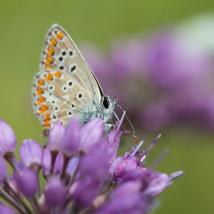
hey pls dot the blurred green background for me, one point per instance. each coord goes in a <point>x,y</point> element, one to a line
<point>23,26</point>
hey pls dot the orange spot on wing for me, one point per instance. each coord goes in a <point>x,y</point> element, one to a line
<point>53,42</point>
<point>58,74</point>
<point>46,125</point>
<point>50,51</point>
<point>40,100</point>
<point>43,108</point>
<point>47,116</point>
<point>60,35</point>
<point>39,91</point>
<point>49,77</point>
<point>49,59</point>
<point>47,65</point>
<point>47,120</point>
<point>41,82</point>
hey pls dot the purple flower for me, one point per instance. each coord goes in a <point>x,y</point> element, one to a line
<point>31,153</point>
<point>55,192</point>
<point>91,134</point>
<point>3,170</point>
<point>157,184</point>
<point>114,138</point>
<point>170,72</point>
<point>92,172</point>
<point>5,209</point>
<point>95,162</point>
<point>27,182</point>
<point>81,172</point>
<point>122,166</point>
<point>125,199</point>
<point>7,138</point>
<point>86,191</point>
<point>46,162</point>
<point>71,137</point>
<point>127,56</point>
<point>72,166</point>
<point>59,164</point>
<point>55,137</point>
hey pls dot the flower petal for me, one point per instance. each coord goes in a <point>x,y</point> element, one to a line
<point>5,209</point>
<point>46,162</point>
<point>55,137</point>
<point>55,192</point>
<point>31,153</point>
<point>72,165</point>
<point>71,138</point>
<point>59,164</point>
<point>27,182</point>
<point>7,138</point>
<point>3,170</point>
<point>91,133</point>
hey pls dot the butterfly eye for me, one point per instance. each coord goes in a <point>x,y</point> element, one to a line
<point>106,102</point>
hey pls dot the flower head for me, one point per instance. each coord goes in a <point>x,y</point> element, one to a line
<point>81,171</point>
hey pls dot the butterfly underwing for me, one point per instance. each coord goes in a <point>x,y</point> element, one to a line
<point>66,86</point>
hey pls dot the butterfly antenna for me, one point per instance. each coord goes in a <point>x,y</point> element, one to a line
<point>129,121</point>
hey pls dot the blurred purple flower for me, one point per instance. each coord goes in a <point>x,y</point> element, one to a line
<point>125,199</point>
<point>55,192</point>
<point>126,57</point>
<point>165,78</point>
<point>46,162</point>
<point>3,170</point>
<point>82,172</point>
<point>72,166</point>
<point>59,164</point>
<point>70,141</point>
<point>7,138</point>
<point>5,209</point>
<point>27,182</point>
<point>91,134</point>
<point>31,153</point>
<point>55,137</point>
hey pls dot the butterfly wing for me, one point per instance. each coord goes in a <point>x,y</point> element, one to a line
<point>66,84</point>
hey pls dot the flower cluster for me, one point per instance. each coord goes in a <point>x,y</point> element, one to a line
<point>78,171</point>
<point>165,78</point>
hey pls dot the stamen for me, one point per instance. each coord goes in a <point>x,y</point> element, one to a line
<point>137,148</point>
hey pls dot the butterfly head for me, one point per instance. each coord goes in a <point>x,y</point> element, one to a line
<point>108,105</point>
<point>103,109</point>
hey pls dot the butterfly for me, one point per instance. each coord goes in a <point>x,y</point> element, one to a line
<point>66,86</point>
